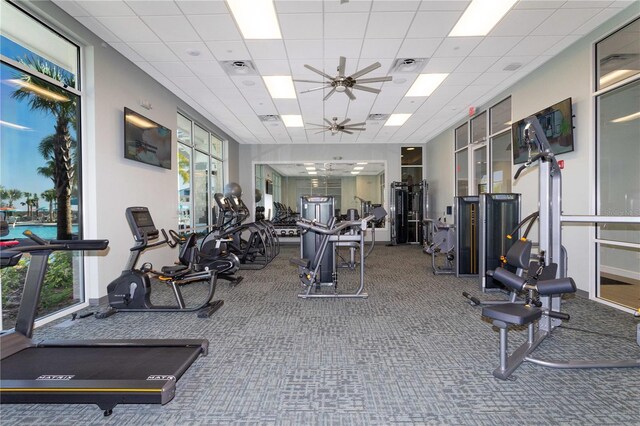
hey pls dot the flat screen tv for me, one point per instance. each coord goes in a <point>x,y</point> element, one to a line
<point>146,141</point>
<point>557,123</point>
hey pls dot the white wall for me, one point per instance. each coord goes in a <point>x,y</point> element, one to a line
<point>250,154</point>
<point>566,75</point>
<point>110,182</point>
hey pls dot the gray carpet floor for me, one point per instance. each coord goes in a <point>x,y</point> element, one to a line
<point>414,352</point>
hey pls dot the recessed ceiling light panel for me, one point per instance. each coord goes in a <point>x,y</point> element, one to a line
<point>480,17</point>
<point>280,86</point>
<point>256,19</point>
<point>397,119</point>
<point>425,84</point>
<point>292,120</point>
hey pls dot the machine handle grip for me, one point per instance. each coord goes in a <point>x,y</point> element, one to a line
<point>34,237</point>
<point>559,315</point>
<point>167,240</point>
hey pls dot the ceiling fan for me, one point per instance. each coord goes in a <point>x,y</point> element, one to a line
<point>342,83</point>
<point>334,127</point>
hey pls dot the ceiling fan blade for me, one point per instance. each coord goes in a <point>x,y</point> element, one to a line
<point>349,93</point>
<point>372,79</point>
<point>354,128</point>
<point>366,70</point>
<point>331,92</point>
<point>321,131</point>
<point>343,122</point>
<point>356,124</point>
<point>365,88</point>
<point>314,124</point>
<point>317,71</point>
<point>347,132</point>
<point>328,122</point>
<point>341,65</point>
<point>314,89</point>
<point>310,81</point>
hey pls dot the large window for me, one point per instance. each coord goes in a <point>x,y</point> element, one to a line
<point>483,166</point>
<point>200,174</point>
<point>617,95</point>
<point>40,151</point>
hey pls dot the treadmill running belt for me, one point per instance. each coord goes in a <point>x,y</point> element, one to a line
<point>98,363</point>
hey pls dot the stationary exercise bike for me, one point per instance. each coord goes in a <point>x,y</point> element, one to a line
<point>131,291</point>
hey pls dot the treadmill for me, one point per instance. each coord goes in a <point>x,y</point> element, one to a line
<point>102,372</point>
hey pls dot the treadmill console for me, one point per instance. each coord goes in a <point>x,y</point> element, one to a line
<point>141,223</point>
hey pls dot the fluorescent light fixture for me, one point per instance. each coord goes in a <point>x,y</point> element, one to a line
<point>425,84</point>
<point>358,168</point>
<point>410,148</point>
<point>355,173</point>
<point>309,164</point>
<point>630,117</point>
<point>256,19</point>
<point>39,90</point>
<point>480,17</point>
<point>616,75</point>
<point>397,119</point>
<point>13,126</point>
<point>362,164</point>
<point>292,120</point>
<point>310,168</point>
<point>280,86</point>
<point>312,173</point>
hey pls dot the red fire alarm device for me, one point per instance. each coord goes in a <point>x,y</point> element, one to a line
<point>561,164</point>
<point>472,111</point>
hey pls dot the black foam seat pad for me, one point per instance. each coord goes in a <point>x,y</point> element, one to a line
<point>512,313</point>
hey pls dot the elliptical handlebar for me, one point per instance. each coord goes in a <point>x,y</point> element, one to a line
<point>323,229</point>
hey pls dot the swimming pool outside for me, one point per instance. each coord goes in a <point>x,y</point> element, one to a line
<point>47,232</point>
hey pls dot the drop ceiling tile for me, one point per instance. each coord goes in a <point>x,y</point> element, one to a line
<point>189,84</point>
<point>97,28</point>
<point>297,6</point>
<point>215,27</point>
<point>154,52</point>
<point>408,105</point>
<point>349,48</point>
<point>272,66</point>
<point>298,69</point>
<point>535,45</point>
<point>443,65</point>
<point>228,50</point>
<point>171,28</point>
<point>381,48</point>
<point>220,84</point>
<point>106,8</point>
<point>173,69</point>
<point>596,21</point>
<point>150,7</point>
<point>457,46</point>
<point>419,47</point>
<point>477,63</point>
<point>264,107</point>
<point>266,49</point>
<point>287,106</point>
<point>129,28</point>
<point>385,66</point>
<point>388,24</point>
<point>199,7</point>
<point>564,21</point>
<point>562,44</point>
<point>303,49</point>
<point>580,4</point>
<point>395,5</point>
<point>182,49</point>
<point>72,8</point>
<point>460,79</point>
<point>433,24</point>
<point>345,25</point>
<point>206,69</point>
<point>492,78</point>
<point>539,4</point>
<point>127,51</point>
<point>495,46</point>
<point>351,6</point>
<point>301,26</point>
<point>520,22</point>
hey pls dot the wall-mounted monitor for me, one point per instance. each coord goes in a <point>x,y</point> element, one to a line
<point>146,141</point>
<point>557,123</point>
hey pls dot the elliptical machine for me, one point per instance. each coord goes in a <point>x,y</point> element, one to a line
<point>131,291</point>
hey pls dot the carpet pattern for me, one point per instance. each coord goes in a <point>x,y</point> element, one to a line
<point>414,352</point>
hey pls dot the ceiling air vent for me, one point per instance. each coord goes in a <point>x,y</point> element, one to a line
<point>239,68</point>
<point>269,118</point>
<point>408,65</point>
<point>512,66</point>
<point>377,117</point>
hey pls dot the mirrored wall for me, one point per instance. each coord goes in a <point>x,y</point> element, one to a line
<point>280,185</point>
